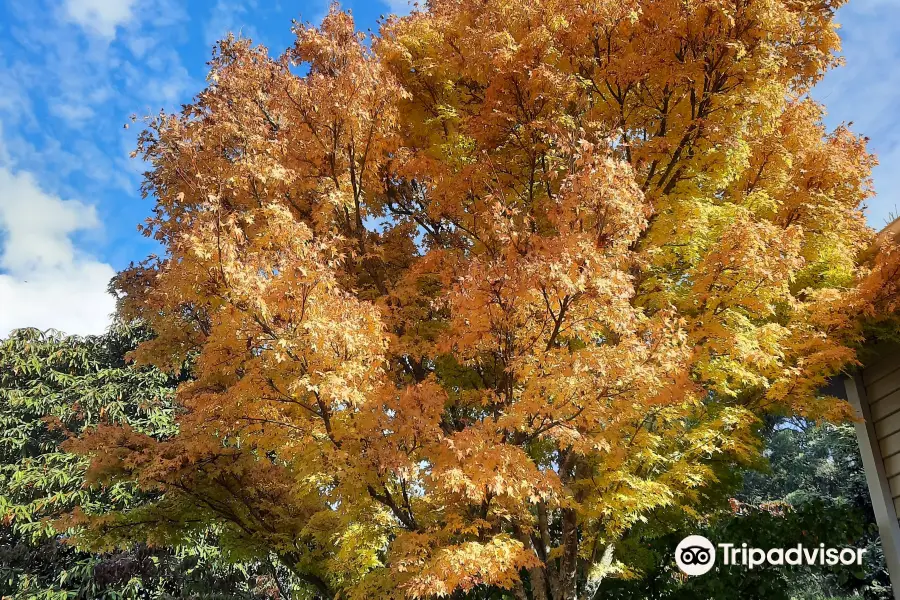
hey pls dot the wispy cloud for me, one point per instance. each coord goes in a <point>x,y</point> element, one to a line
<point>66,73</point>
<point>403,7</point>
<point>866,92</point>
<point>100,17</point>
<point>72,72</point>
<point>229,16</point>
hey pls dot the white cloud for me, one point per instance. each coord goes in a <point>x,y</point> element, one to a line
<point>4,152</point>
<point>72,113</point>
<point>402,7</point>
<point>83,66</point>
<point>45,281</point>
<point>100,17</point>
<point>140,45</point>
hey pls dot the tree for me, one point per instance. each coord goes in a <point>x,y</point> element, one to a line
<point>52,386</point>
<point>810,490</point>
<point>816,469</point>
<point>466,303</point>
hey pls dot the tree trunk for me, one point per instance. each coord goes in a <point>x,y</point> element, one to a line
<point>568,564</point>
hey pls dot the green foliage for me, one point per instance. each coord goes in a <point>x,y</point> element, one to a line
<point>820,465</point>
<point>809,462</point>
<point>812,491</point>
<point>53,386</point>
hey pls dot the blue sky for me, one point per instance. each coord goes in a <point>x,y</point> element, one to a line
<point>73,71</point>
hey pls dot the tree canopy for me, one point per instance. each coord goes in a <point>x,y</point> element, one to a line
<point>466,301</point>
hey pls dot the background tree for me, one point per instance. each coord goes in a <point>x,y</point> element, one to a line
<point>53,386</point>
<point>470,302</point>
<point>811,489</point>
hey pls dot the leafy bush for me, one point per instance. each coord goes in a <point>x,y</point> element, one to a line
<point>52,386</point>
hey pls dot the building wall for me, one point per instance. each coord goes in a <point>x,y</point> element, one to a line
<point>882,386</point>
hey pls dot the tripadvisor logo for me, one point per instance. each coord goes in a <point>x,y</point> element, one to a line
<point>696,555</point>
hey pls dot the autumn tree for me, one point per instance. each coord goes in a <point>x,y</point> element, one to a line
<point>468,300</point>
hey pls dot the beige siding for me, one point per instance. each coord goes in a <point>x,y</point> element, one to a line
<point>892,465</point>
<point>890,445</point>
<point>894,484</point>
<point>881,388</point>
<point>887,426</point>
<point>887,406</point>
<point>879,370</point>
<point>882,382</point>
<point>885,504</point>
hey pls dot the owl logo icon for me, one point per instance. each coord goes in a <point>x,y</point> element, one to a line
<point>695,555</point>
